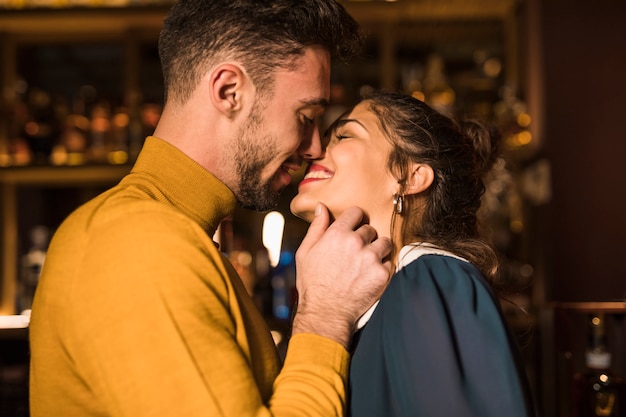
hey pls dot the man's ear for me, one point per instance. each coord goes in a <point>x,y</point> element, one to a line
<point>420,178</point>
<point>226,88</point>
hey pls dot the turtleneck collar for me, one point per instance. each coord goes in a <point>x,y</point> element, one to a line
<point>184,184</point>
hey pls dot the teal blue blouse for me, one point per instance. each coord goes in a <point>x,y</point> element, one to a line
<point>437,346</point>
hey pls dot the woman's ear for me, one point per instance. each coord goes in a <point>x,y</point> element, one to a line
<point>226,88</point>
<point>420,178</point>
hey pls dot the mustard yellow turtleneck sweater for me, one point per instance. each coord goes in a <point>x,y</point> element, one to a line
<point>138,313</point>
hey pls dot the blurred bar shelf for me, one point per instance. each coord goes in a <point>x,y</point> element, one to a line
<point>68,22</point>
<point>610,307</point>
<point>63,175</point>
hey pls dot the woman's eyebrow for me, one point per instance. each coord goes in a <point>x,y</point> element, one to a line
<point>343,122</point>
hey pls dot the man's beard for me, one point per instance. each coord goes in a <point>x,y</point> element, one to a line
<point>254,153</point>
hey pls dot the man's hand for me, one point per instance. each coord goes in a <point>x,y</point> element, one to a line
<point>340,273</point>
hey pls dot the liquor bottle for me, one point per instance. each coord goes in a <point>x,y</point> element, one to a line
<point>118,150</point>
<point>73,141</point>
<point>32,263</point>
<point>598,391</point>
<point>41,127</point>
<point>100,132</point>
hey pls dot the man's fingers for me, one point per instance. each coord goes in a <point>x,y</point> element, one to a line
<point>348,257</point>
<point>367,233</point>
<point>351,218</point>
<point>382,246</point>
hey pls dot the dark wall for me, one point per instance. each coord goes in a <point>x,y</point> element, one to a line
<point>584,46</point>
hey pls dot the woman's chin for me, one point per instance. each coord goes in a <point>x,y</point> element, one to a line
<point>302,211</point>
<point>306,216</point>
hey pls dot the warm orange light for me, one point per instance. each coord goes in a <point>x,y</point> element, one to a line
<point>524,137</point>
<point>523,119</point>
<point>117,157</point>
<point>516,226</point>
<point>418,95</point>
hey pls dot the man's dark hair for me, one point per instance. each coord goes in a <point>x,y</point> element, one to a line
<point>264,35</point>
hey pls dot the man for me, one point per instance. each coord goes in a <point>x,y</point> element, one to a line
<point>137,312</point>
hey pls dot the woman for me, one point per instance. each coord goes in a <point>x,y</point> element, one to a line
<point>436,343</point>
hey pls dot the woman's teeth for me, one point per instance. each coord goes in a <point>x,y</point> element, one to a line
<point>317,175</point>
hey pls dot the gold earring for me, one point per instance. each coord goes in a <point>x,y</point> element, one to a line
<point>398,201</point>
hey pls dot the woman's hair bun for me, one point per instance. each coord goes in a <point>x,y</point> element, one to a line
<point>485,140</point>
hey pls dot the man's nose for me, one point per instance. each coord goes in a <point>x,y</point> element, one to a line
<point>311,147</point>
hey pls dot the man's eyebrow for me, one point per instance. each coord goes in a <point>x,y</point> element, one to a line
<point>322,102</point>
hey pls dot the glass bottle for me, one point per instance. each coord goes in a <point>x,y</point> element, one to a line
<point>32,263</point>
<point>599,391</point>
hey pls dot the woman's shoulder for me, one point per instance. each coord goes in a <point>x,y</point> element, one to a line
<point>425,271</point>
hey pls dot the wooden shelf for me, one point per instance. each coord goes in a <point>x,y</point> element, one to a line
<point>32,23</point>
<point>610,307</point>
<point>63,175</point>
<point>430,10</point>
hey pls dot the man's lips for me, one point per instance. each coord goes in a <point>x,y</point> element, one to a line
<point>316,173</point>
<point>285,171</point>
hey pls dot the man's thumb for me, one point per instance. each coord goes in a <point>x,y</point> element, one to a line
<point>318,226</point>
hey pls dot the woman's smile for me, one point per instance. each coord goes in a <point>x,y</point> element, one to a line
<point>315,172</point>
